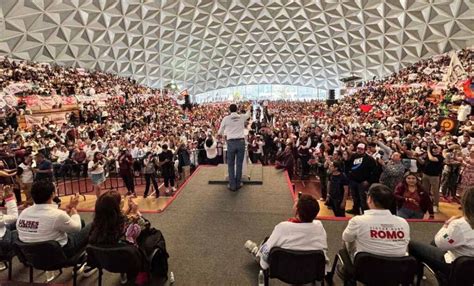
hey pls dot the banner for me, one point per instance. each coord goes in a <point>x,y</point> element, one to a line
<point>412,76</point>
<point>32,101</point>
<point>15,88</point>
<point>8,99</point>
<point>455,70</point>
<point>57,118</point>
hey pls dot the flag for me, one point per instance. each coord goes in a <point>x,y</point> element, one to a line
<point>365,107</point>
<point>455,71</point>
<point>468,87</point>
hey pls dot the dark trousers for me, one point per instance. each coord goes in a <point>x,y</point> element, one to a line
<point>431,255</point>
<point>129,183</point>
<point>305,165</point>
<point>336,207</point>
<point>323,181</point>
<point>169,180</point>
<point>252,157</point>
<point>9,237</point>
<point>151,178</point>
<point>77,241</point>
<point>212,161</point>
<point>235,160</point>
<point>258,157</point>
<point>349,270</point>
<point>359,196</point>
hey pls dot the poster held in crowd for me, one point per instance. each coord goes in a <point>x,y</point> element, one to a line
<point>448,124</point>
<point>455,71</point>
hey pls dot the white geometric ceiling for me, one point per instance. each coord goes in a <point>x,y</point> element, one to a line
<point>211,44</point>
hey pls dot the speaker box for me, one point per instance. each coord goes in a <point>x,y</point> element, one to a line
<point>330,102</point>
<point>332,94</point>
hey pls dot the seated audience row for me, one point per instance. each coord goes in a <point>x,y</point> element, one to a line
<point>377,231</point>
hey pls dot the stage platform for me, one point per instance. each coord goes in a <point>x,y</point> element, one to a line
<point>254,175</point>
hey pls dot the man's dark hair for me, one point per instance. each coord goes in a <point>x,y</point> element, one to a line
<point>381,195</point>
<point>233,107</point>
<point>307,208</point>
<point>42,191</point>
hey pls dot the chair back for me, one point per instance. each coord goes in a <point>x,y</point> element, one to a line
<point>6,250</point>
<point>116,258</point>
<point>46,255</point>
<point>461,272</point>
<point>296,266</point>
<point>372,269</point>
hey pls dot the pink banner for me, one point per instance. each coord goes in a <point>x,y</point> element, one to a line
<point>57,118</point>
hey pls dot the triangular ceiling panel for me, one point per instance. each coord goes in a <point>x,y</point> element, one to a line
<point>213,44</point>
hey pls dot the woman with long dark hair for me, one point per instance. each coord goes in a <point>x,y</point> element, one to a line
<point>412,200</point>
<point>114,224</point>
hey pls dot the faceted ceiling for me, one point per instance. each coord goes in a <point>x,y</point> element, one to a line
<point>206,45</point>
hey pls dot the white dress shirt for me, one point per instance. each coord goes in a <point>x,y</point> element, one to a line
<point>295,236</point>
<point>233,125</point>
<point>457,239</point>
<point>378,232</point>
<point>45,222</point>
<point>211,152</point>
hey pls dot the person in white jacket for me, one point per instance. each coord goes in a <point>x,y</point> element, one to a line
<point>302,232</point>
<point>377,231</point>
<point>7,220</point>
<point>453,240</point>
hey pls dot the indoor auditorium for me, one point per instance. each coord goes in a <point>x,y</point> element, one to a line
<point>237,142</point>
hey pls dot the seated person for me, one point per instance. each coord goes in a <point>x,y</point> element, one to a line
<point>377,231</point>
<point>302,232</point>
<point>7,221</point>
<point>43,221</point>
<point>113,225</point>
<point>453,240</point>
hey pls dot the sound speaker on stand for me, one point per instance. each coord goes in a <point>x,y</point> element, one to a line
<point>331,97</point>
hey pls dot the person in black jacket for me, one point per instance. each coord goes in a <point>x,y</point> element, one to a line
<point>166,158</point>
<point>360,177</point>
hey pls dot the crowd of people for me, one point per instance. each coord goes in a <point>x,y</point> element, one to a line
<point>384,135</point>
<point>343,144</point>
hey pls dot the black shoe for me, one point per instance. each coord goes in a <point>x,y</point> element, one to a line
<point>353,212</point>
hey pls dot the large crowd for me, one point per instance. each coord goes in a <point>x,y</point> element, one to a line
<point>391,129</point>
<point>384,133</point>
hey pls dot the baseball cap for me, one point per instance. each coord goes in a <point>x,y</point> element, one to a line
<point>361,145</point>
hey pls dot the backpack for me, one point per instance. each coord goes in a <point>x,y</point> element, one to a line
<point>159,260</point>
<point>156,245</point>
